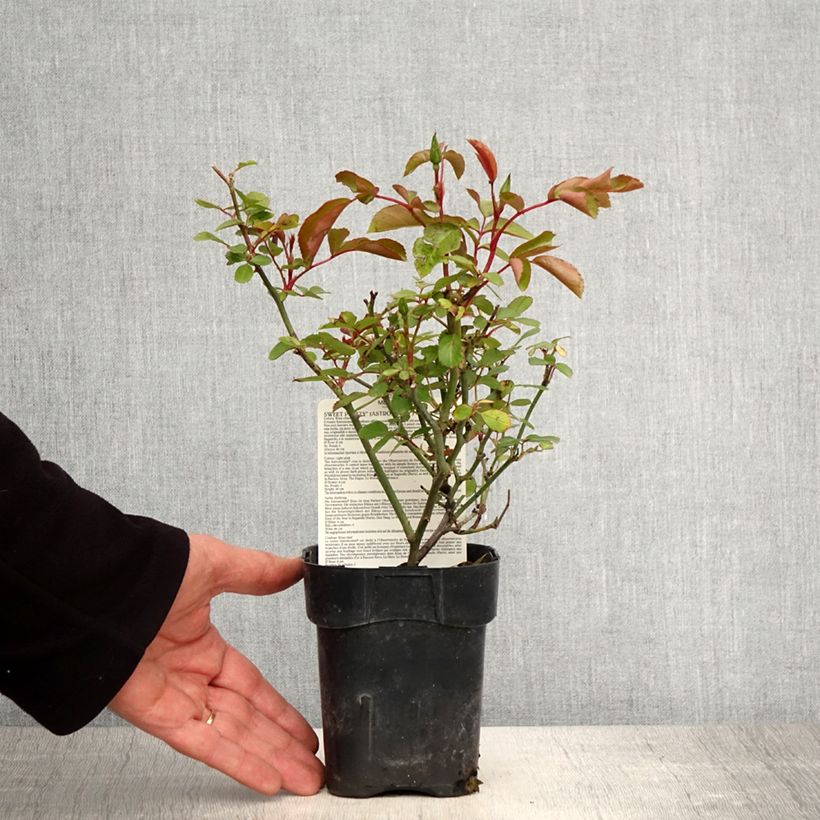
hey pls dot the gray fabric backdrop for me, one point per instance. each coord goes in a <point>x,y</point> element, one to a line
<point>661,565</point>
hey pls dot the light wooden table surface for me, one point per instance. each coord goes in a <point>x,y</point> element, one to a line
<point>652,772</point>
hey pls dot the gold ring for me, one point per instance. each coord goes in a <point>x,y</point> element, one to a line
<point>210,719</point>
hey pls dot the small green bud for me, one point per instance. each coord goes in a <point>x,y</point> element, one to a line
<point>435,152</point>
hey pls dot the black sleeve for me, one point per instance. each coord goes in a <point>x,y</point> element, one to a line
<point>84,588</point>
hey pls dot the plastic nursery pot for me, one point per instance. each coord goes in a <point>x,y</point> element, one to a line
<point>401,664</point>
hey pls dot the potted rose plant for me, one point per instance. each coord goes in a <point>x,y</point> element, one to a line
<point>401,648</point>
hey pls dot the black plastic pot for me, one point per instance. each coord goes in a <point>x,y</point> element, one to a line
<point>401,663</point>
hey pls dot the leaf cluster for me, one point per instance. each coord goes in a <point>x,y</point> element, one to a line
<point>438,352</point>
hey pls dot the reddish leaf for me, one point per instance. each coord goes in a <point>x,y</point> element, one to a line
<point>588,194</point>
<point>513,200</point>
<point>623,183</point>
<point>476,197</point>
<point>456,160</point>
<point>522,269</point>
<point>394,216</point>
<point>335,237</point>
<point>486,158</point>
<point>315,227</point>
<point>407,196</point>
<point>388,248</point>
<point>565,273</point>
<point>364,188</point>
<point>419,158</point>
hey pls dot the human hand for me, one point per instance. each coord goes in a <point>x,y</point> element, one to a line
<point>189,672</point>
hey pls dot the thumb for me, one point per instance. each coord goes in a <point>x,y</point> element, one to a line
<point>253,572</point>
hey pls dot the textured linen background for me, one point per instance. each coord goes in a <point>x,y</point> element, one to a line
<point>661,564</point>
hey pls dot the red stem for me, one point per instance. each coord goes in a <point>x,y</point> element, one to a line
<point>394,201</point>
<point>498,235</point>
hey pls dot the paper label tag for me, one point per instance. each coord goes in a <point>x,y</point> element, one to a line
<point>357,525</point>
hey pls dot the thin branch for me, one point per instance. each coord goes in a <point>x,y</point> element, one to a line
<point>491,526</point>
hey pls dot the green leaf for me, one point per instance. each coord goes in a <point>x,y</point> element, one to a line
<point>373,429</point>
<point>228,223</point>
<point>381,442</point>
<point>236,253</point>
<point>462,261</point>
<point>462,412</point>
<point>483,304</point>
<point>546,442</point>
<point>336,372</point>
<point>491,357</point>
<point>538,244</point>
<point>260,260</point>
<point>449,349</point>
<point>334,345</point>
<point>284,344</point>
<point>563,368</point>
<point>496,420</point>
<point>506,442</point>
<point>514,229</point>
<point>348,399</point>
<point>203,236</point>
<point>491,382</point>
<point>437,241</point>
<point>419,158</point>
<point>378,390</point>
<point>203,203</point>
<point>257,214</point>
<point>243,274</point>
<point>443,282</point>
<point>502,254</point>
<point>284,222</point>
<point>255,199</point>
<point>522,270</point>
<point>515,308</point>
<point>400,405</point>
<point>494,278</point>
<point>246,163</point>
<point>469,486</point>
<point>392,217</point>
